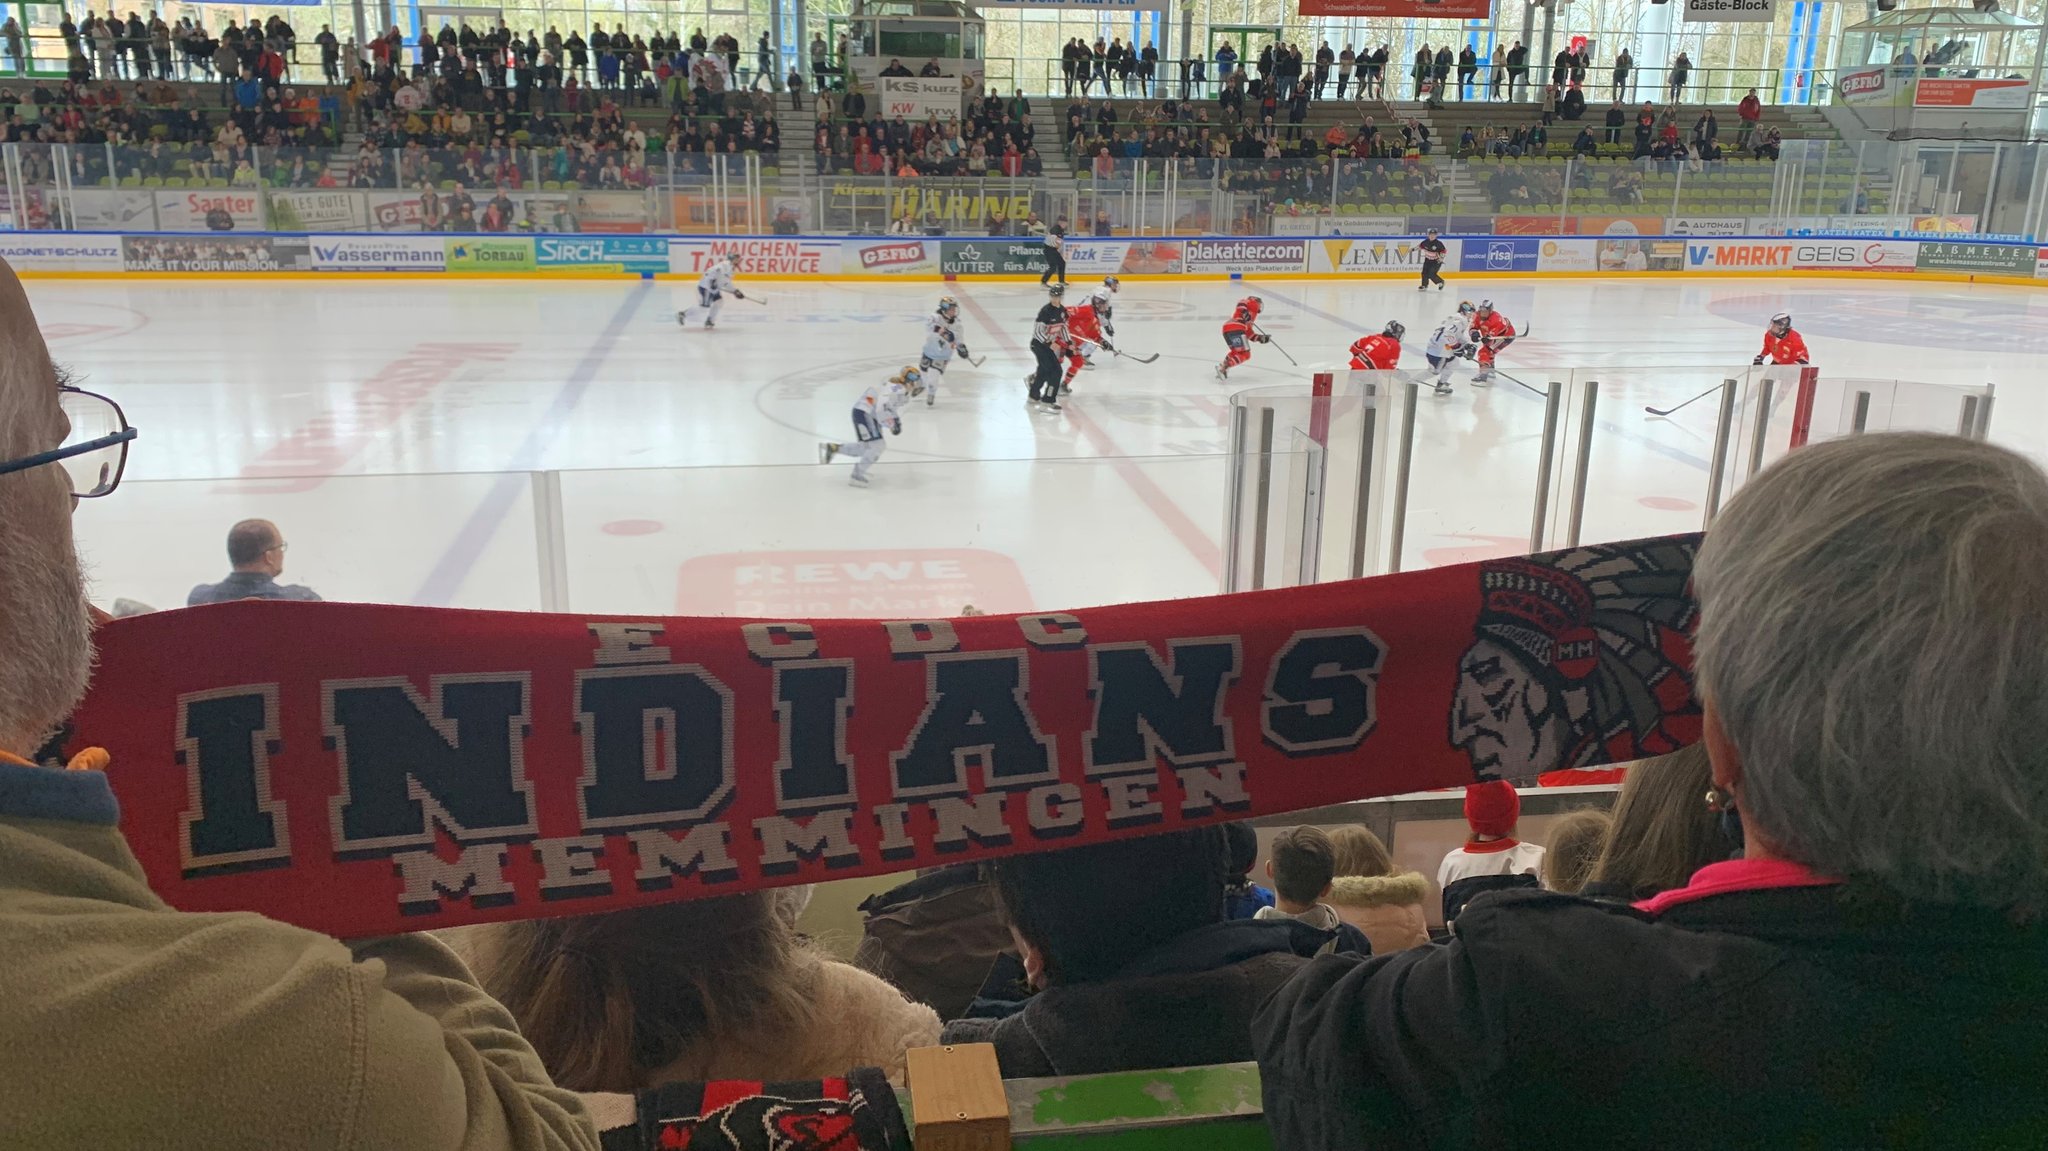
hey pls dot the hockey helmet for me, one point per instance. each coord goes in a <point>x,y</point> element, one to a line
<point>1486,305</point>
<point>1395,330</point>
<point>1056,290</point>
<point>912,380</point>
<point>948,306</point>
<point>1111,282</point>
<point>734,257</point>
<point>1781,323</point>
<point>1431,233</point>
<point>1464,307</point>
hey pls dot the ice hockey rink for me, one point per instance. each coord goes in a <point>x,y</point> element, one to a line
<point>395,430</point>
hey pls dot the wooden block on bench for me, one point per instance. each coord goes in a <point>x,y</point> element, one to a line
<point>956,1098</point>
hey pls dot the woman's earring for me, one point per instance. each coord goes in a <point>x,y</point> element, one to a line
<point>1719,800</point>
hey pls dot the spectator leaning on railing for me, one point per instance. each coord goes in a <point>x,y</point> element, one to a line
<point>1872,661</point>
<point>220,1031</point>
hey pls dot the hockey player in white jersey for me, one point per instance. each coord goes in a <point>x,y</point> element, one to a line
<point>711,289</point>
<point>879,407</point>
<point>1451,341</point>
<point>941,343</point>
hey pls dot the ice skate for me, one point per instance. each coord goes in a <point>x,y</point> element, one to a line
<point>826,451</point>
<point>858,481</point>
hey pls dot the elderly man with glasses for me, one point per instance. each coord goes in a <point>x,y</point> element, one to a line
<point>256,550</point>
<point>122,1020</point>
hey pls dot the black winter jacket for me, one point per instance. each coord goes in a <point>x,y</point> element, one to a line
<point>1792,1017</point>
<point>1186,1003</point>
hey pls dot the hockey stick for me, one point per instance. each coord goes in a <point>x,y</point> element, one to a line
<point>1278,348</point>
<point>975,362</point>
<point>1138,358</point>
<point>1688,403</point>
<point>755,300</point>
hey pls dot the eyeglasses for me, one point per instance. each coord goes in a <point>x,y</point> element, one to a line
<point>96,451</point>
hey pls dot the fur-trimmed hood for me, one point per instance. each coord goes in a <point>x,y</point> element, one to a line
<point>1378,890</point>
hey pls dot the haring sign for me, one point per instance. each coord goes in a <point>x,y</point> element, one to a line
<point>364,769</point>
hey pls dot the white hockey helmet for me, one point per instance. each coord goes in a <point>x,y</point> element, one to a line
<point>1394,330</point>
<point>1781,323</point>
<point>1486,305</point>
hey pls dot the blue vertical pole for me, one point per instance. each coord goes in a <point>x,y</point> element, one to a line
<point>1792,51</point>
<point>1813,15</point>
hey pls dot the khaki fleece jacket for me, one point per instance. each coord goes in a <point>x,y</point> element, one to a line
<point>124,1023</point>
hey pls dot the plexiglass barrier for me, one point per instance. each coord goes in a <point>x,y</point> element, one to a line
<point>1399,477</point>
<point>928,538</point>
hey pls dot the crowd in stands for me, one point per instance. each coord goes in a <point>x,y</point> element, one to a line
<point>995,138</point>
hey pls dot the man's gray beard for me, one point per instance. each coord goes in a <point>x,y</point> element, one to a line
<point>45,633</point>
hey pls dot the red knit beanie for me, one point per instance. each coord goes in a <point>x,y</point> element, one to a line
<point>1492,808</point>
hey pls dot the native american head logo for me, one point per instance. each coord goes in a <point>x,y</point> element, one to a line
<point>1578,659</point>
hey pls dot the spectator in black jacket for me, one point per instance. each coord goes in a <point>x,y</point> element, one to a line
<point>1872,661</point>
<point>1135,964</point>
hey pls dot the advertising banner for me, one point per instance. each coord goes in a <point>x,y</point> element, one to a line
<point>1740,254</point>
<point>394,211</point>
<point>486,254</point>
<point>634,254</point>
<point>1729,11</point>
<point>1855,255</point>
<point>1344,225</point>
<point>1124,257</point>
<point>1409,9</point>
<point>1710,226</point>
<point>1527,226</point>
<point>1872,84</point>
<point>894,256</point>
<point>361,769</point>
<point>62,252</point>
<point>209,210</point>
<point>113,210</point>
<point>1944,93</point>
<point>765,256</point>
<point>1480,254</point>
<point>204,253</point>
<point>608,211</point>
<point>2041,265</point>
<point>1640,255</point>
<point>1569,256</point>
<point>917,98</point>
<point>373,253</point>
<point>1389,255</point>
<point>1235,255</point>
<point>992,258</point>
<point>1620,225</point>
<point>304,211</point>
<point>1943,225</point>
<point>1959,256</point>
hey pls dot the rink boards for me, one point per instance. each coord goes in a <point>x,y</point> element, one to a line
<point>981,258</point>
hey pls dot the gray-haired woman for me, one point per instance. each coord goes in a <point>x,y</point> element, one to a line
<point>1872,663</point>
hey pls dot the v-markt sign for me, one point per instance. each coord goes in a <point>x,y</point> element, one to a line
<point>1730,11</point>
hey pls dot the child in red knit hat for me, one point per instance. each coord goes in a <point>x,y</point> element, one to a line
<point>1491,810</point>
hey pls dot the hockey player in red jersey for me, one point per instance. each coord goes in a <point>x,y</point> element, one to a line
<point>1491,332</point>
<point>1084,335</point>
<point>1381,353</point>
<point>1239,332</point>
<point>1782,345</point>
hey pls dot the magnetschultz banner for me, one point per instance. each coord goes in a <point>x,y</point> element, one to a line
<point>364,769</point>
